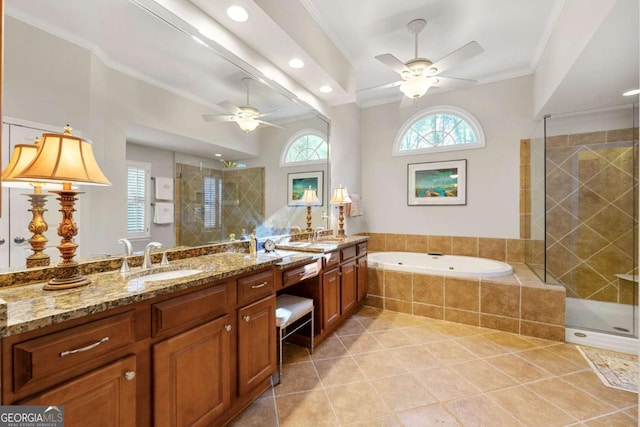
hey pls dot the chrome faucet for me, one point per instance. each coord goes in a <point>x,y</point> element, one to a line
<point>316,231</point>
<point>147,263</point>
<point>127,253</point>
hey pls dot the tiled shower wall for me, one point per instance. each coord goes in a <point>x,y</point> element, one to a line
<point>243,202</point>
<point>590,206</point>
<point>590,213</point>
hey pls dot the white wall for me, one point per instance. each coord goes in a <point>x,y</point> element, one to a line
<point>504,111</point>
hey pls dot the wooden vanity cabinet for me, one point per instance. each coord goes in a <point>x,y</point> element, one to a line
<point>330,299</point>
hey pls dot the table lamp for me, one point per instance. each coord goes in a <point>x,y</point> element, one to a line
<point>309,198</point>
<point>65,159</point>
<point>340,197</point>
<point>22,155</point>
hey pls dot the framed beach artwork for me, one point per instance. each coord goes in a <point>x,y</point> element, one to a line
<point>298,182</point>
<point>437,183</point>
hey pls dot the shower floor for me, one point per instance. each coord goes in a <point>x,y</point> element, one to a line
<point>604,324</point>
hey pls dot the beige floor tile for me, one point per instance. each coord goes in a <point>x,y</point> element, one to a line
<point>292,353</point>
<point>530,409</point>
<point>341,370</point>
<point>378,365</point>
<point>429,416</point>
<point>311,408</point>
<point>424,334</point>
<point>388,421</point>
<point>588,381</point>
<point>349,327</point>
<point>402,392</point>
<point>480,411</point>
<point>518,368</point>
<point>356,402</point>
<point>366,311</point>
<point>445,384</point>
<point>329,348</point>
<point>573,401</point>
<point>482,375</point>
<point>632,412</point>
<point>296,378</point>
<point>550,361</point>
<point>416,358</point>
<point>481,346</point>
<point>373,324</point>
<point>261,413</point>
<point>393,338</point>
<point>364,343</point>
<point>449,352</point>
<point>511,342</point>
<point>570,352</point>
<point>619,419</point>
<point>453,330</point>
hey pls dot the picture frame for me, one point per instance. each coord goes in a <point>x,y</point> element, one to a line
<point>437,183</point>
<point>298,182</point>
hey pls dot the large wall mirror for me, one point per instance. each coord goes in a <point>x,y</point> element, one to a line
<point>137,85</point>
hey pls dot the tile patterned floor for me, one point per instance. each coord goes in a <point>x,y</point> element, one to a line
<point>383,368</point>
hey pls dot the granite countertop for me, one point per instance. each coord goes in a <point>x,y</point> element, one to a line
<point>28,307</point>
<point>322,245</point>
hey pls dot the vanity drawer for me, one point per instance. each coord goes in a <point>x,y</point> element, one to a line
<point>180,313</point>
<point>256,286</point>
<point>36,360</point>
<point>362,248</point>
<point>331,259</point>
<point>297,275</point>
<point>347,253</point>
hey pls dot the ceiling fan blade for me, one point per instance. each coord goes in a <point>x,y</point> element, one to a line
<point>384,86</point>
<point>393,62</point>
<point>214,118</point>
<point>453,83</point>
<point>230,107</point>
<point>266,113</point>
<point>464,53</point>
<point>269,124</point>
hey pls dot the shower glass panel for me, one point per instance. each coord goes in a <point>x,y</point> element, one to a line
<point>591,234</point>
<point>533,188</point>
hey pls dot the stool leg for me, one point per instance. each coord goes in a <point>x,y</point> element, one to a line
<point>312,329</point>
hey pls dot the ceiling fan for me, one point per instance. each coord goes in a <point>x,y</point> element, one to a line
<point>247,117</point>
<point>419,74</point>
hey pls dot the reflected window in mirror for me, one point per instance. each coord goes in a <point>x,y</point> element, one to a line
<point>138,202</point>
<point>212,201</point>
<point>306,147</point>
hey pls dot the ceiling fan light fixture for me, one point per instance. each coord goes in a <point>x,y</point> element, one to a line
<point>247,124</point>
<point>416,87</point>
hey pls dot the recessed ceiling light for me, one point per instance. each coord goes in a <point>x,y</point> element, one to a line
<point>326,89</point>
<point>631,92</point>
<point>296,63</point>
<point>218,155</point>
<point>237,13</point>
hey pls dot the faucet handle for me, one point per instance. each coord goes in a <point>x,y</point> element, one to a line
<point>124,268</point>
<point>165,260</point>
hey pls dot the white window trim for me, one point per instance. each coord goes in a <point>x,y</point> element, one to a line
<point>473,123</point>
<point>294,138</point>
<point>147,202</point>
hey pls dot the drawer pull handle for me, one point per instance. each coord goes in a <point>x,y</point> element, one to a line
<point>80,350</point>
<point>261,285</point>
<point>227,328</point>
<point>129,375</point>
<point>246,318</point>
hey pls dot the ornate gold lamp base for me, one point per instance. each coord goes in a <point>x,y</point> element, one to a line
<point>38,226</point>
<point>341,233</point>
<point>309,219</point>
<point>66,273</point>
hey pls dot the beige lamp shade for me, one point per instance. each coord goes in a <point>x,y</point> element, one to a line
<point>309,197</point>
<point>64,158</point>
<point>340,196</point>
<point>23,155</point>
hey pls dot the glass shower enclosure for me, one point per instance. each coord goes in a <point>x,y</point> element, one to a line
<point>583,214</point>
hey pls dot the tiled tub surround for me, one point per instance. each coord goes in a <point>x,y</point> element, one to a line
<point>518,303</point>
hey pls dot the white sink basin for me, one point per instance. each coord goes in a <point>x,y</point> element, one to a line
<point>166,275</point>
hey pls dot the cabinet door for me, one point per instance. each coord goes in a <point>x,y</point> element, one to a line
<point>105,396</point>
<point>256,343</point>
<point>361,273</point>
<point>348,285</point>
<point>192,375</point>
<point>330,298</point>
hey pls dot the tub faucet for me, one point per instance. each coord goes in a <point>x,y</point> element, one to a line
<point>147,263</point>
<point>127,253</point>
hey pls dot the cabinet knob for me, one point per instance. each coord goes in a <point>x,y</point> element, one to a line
<point>129,375</point>
<point>2,241</point>
<point>19,240</point>
<point>227,328</point>
<point>246,318</point>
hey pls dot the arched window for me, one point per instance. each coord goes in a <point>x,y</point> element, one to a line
<point>305,147</point>
<point>438,129</point>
